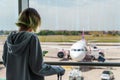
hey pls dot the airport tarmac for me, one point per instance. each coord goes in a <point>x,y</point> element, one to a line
<point>112,54</point>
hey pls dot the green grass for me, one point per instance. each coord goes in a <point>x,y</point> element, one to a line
<point>89,38</point>
<point>71,38</point>
<point>58,38</point>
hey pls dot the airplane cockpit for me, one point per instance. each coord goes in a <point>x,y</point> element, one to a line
<point>77,49</point>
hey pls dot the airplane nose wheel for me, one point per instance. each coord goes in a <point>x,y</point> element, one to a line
<point>102,54</point>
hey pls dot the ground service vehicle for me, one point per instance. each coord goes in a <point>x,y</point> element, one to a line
<point>107,75</point>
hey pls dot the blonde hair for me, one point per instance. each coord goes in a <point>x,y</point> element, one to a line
<point>29,18</point>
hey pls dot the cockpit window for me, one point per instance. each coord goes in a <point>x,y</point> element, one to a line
<point>73,50</point>
<point>82,49</point>
<point>77,50</point>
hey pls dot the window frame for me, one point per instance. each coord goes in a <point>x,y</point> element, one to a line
<point>22,4</point>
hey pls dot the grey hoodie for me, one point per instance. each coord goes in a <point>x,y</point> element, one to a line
<point>22,56</point>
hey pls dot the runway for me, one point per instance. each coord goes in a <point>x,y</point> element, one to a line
<point>112,54</point>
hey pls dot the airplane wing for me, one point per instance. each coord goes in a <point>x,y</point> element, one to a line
<point>59,47</point>
<point>112,47</point>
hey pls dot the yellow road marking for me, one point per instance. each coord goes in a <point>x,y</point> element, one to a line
<point>68,67</point>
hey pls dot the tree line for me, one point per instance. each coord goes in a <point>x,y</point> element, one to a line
<point>66,32</point>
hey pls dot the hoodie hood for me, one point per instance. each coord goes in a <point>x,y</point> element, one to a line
<point>18,41</point>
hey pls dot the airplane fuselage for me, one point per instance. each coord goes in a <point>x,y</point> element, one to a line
<point>78,50</point>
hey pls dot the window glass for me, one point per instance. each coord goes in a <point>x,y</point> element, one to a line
<point>8,14</point>
<point>65,21</point>
<point>78,14</point>
<point>100,21</point>
<point>8,17</point>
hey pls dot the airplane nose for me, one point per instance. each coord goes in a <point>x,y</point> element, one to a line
<point>77,56</point>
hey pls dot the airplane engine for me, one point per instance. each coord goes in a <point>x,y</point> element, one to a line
<point>60,54</point>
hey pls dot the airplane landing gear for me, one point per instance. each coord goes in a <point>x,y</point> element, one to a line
<point>102,54</point>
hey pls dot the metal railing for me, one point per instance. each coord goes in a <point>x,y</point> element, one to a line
<point>84,63</point>
<point>1,62</point>
<point>112,64</point>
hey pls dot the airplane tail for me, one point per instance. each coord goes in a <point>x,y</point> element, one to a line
<point>83,36</point>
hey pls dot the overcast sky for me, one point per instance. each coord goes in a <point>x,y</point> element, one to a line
<point>67,14</point>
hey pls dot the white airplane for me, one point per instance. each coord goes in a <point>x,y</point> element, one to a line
<point>79,52</point>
